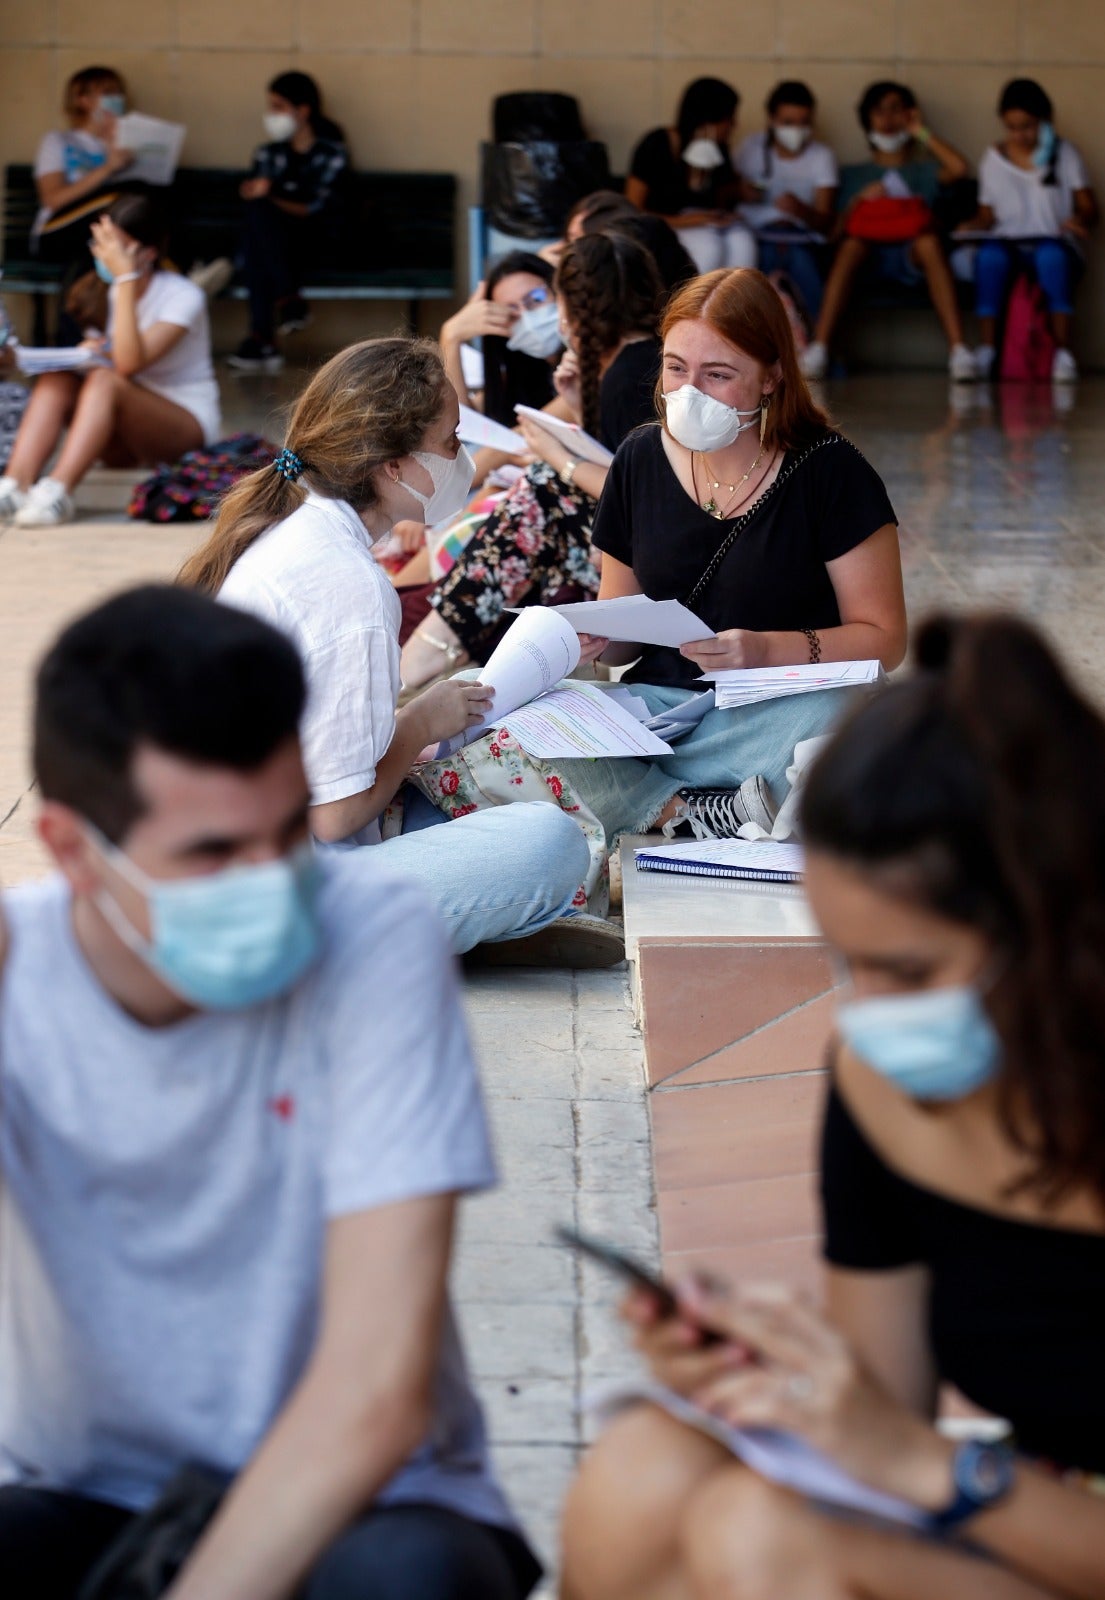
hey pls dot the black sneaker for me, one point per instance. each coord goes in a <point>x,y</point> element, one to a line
<point>293,315</point>
<point>721,813</point>
<point>254,356</point>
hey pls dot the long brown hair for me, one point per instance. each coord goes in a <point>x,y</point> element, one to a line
<point>976,788</point>
<point>744,307</point>
<point>373,402</point>
<point>611,290</point>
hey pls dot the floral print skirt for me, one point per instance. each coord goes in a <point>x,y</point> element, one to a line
<point>534,549</point>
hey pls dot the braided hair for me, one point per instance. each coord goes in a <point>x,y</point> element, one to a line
<point>610,290</point>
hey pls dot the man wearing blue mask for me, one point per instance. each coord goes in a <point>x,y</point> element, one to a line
<point>237,1107</point>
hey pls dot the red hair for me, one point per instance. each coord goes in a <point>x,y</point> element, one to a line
<point>744,307</point>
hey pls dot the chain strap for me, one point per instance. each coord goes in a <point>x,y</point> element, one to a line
<point>741,522</point>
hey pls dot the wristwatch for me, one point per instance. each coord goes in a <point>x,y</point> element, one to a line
<point>983,1474</point>
<point>568,470</point>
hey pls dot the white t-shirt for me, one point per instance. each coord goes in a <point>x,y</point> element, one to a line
<point>166,1193</point>
<point>73,154</point>
<point>185,374</point>
<point>762,163</point>
<point>315,578</point>
<point>1024,206</point>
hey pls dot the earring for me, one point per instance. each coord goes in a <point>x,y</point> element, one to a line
<point>763,418</point>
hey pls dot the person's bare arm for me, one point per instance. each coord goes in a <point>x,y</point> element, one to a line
<point>981,222</point>
<point>1085,214</point>
<point>362,1406</point>
<point>438,713</point>
<point>54,192</point>
<point>819,216</point>
<point>867,583</point>
<point>616,580</point>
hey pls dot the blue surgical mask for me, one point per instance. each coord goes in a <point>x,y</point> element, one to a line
<point>938,1044</point>
<point>227,939</point>
<point>1045,145</point>
<point>114,104</point>
<point>103,272</point>
<point>537,332</point>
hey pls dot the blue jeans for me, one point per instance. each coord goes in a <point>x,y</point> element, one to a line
<point>1053,262</point>
<point>798,259</point>
<point>494,875</point>
<point>726,747</point>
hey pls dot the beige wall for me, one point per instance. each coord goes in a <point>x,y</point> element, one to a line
<point>412,79</point>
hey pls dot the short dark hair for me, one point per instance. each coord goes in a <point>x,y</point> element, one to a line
<point>791,92</point>
<point>142,218</point>
<point>705,100</point>
<point>875,92</point>
<point>162,666</point>
<point>1025,94</point>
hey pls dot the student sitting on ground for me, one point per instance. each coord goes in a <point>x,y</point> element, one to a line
<point>953,839</point>
<point>373,439</point>
<point>790,183</point>
<point>685,175</point>
<point>745,504</point>
<point>152,395</point>
<point>294,213</point>
<point>889,198</point>
<point>239,1108</point>
<point>77,175</point>
<point>1035,197</point>
<point>535,548</point>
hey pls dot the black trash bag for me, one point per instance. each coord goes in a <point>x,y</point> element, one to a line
<point>528,189</point>
<point>143,1561</point>
<point>528,118</point>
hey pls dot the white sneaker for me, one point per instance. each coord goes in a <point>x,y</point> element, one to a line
<point>1064,368</point>
<point>814,360</point>
<point>11,497</point>
<point>961,364</point>
<point>46,505</point>
<point>212,276</point>
<point>984,362</point>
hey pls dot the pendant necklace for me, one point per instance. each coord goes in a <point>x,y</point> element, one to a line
<point>711,506</point>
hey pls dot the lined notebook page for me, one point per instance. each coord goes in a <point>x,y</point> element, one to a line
<point>765,859</point>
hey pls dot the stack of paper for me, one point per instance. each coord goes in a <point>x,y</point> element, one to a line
<point>763,859</point>
<point>32,359</point>
<point>746,686</point>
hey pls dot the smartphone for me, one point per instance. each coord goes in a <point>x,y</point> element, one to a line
<point>607,1255</point>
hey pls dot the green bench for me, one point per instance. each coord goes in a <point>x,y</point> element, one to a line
<point>400,243</point>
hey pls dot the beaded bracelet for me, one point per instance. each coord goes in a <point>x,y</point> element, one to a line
<point>814,643</point>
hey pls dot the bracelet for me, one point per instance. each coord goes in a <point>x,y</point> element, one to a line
<point>127,277</point>
<point>568,471</point>
<point>814,643</point>
<point>922,135</point>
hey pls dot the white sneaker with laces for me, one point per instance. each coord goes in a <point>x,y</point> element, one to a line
<point>984,362</point>
<point>47,504</point>
<point>1064,368</point>
<point>814,360</point>
<point>11,497</point>
<point>961,364</point>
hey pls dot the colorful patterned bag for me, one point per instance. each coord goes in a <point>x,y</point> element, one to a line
<point>190,489</point>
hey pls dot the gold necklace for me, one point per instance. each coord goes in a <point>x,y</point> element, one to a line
<point>711,506</point>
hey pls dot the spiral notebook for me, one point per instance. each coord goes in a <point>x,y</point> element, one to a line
<point>765,860</point>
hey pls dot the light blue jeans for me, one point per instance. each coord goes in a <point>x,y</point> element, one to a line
<point>494,875</point>
<point>627,795</point>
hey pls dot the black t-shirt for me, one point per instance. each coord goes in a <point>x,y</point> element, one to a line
<point>666,176</point>
<point>1014,1308</point>
<point>626,393</point>
<point>773,578</point>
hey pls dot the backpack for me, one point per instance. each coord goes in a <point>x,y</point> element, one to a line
<point>190,489</point>
<point>1027,349</point>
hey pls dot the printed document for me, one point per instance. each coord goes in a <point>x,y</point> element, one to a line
<point>745,686</point>
<point>635,619</point>
<point>156,146</point>
<point>581,444</point>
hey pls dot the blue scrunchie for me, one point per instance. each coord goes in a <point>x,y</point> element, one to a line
<point>289,465</point>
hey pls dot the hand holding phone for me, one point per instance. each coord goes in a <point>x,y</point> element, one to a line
<point>635,1274</point>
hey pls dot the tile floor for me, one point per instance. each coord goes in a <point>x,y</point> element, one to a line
<point>1001,503</point>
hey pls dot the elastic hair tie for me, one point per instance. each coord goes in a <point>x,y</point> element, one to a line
<point>289,465</point>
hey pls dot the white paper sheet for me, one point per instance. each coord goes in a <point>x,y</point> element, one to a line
<point>572,438</point>
<point>33,359</point>
<point>477,429</point>
<point>738,857</point>
<point>578,719</point>
<point>539,649</point>
<point>749,685</point>
<point>156,146</point>
<point>780,1457</point>
<point>636,619</point>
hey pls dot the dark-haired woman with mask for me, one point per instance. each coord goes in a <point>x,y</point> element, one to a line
<point>1035,199</point>
<point>685,175</point>
<point>907,165</point>
<point>294,210</point>
<point>790,181</point>
<point>962,1185</point>
<point>149,393</point>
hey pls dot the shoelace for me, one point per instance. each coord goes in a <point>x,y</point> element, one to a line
<point>710,816</point>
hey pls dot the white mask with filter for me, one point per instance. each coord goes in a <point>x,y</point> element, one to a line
<point>699,422</point>
<point>791,137</point>
<point>451,477</point>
